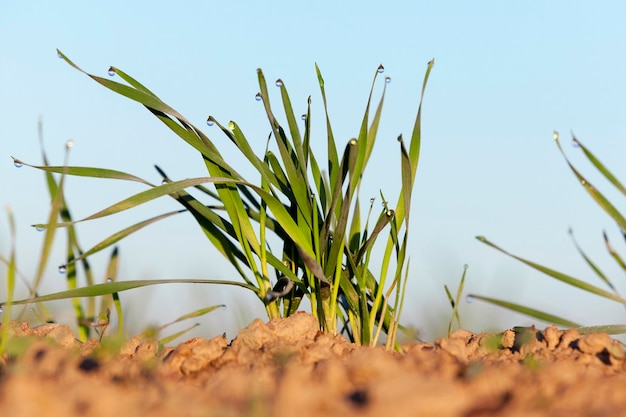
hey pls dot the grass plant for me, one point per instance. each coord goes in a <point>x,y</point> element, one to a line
<point>311,206</point>
<point>609,292</point>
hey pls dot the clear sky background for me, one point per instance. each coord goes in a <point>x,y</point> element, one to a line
<point>507,75</point>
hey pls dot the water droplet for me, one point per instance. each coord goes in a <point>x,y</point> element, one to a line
<point>1,310</point>
<point>465,266</point>
<point>258,97</point>
<point>381,69</point>
<point>575,143</point>
<point>352,142</point>
<point>111,71</point>
<point>387,80</point>
<point>372,200</point>
<point>583,182</point>
<point>555,135</point>
<point>17,163</point>
<point>210,121</point>
<point>279,83</point>
<point>69,144</point>
<point>109,279</point>
<point>231,125</point>
<point>469,299</point>
<point>390,213</point>
<point>40,228</point>
<point>481,238</point>
<point>59,54</point>
<point>303,117</point>
<point>62,269</point>
<point>223,307</point>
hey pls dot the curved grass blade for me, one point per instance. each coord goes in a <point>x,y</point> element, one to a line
<point>168,339</point>
<point>86,172</point>
<point>112,269</point>
<point>10,279</point>
<point>333,158</point>
<point>119,286</point>
<point>198,313</point>
<point>454,302</point>
<point>116,237</point>
<point>600,166</point>
<point>531,312</point>
<point>592,191</point>
<point>144,197</point>
<point>591,264</point>
<point>575,282</point>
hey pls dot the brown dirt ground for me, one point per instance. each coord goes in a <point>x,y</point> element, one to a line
<point>287,368</point>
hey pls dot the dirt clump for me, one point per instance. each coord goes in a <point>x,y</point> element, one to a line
<point>288,368</point>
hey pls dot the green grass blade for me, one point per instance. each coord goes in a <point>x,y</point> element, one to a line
<point>111,275</point>
<point>116,237</point>
<point>120,286</point>
<point>613,252</point>
<point>292,166</point>
<point>87,172</point>
<point>130,80</point>
<point>559,276</point>
<point>454,302</point>
<point>593,192</point>
<point>10,280</point>
<point>333,158</point>
<point>600,166</point>
<point>146,196</point>
<point>531,312</point>
<point>198,313</point>
<point>407,180</point>
<point>168,339</point>
<point>591,264</point>
<point>294,131</point>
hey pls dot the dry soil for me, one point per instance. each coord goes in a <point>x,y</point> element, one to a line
<point>287,368</point>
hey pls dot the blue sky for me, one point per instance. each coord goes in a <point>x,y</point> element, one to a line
<point>506,76</point>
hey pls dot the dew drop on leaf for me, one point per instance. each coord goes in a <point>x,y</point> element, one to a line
<point>111,71</point>
<point>575,143</point>
<point>40,228</point>
<point>69,144</point>
<point>231,125</point>
<point>303,117</point>
<point>258,97</point>
<point>387,80</point>
<point>17,163</point>
<point>62,269</point>
<point>209,121</point>
<point>381,69</point>
<point>555,135</point>
<point>469,299</point>
<point>279,83</point>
